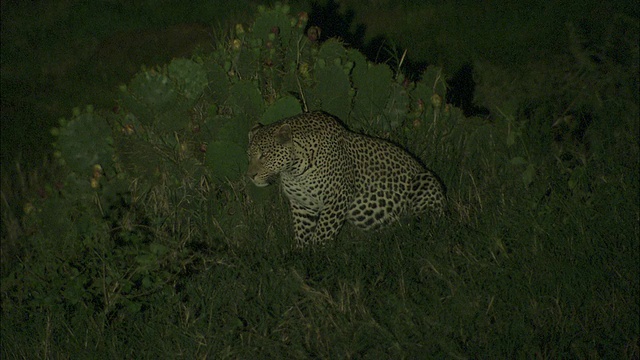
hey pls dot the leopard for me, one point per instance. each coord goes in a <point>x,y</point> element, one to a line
<point>332,175</point>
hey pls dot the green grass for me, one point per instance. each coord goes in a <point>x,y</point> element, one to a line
<point>537,271</point>
<point>503,282</point>
<point>538,257</point>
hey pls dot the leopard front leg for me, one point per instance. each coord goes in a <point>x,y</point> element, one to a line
<point>316,227</point>
<point>305,221</point>
<point>427,193</point>
<point>329,224</point>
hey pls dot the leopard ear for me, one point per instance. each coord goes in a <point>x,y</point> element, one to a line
<point>254,130</point>
<point>283,134</point>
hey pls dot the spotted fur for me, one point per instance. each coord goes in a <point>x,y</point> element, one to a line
<point>331,175</point>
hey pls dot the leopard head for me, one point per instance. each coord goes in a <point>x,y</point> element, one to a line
<point>270,153</point>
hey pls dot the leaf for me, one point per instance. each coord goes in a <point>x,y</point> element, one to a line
<point>154,90</point>
<point>511,138</point>
<point>282,108</point>
<point>331,92</point>
<point>219,89</point>
<point>518,160</point>
<point>86,141</point>
<point>190,76</point>
<point>246,98</point>
<point>233,129</point>
<point>332,50</point>
<point>528,174</point>
<point>227,160</point>
<point>373,88</point>
<point>271,22</point>
<point>158,249</point>
<point>146,259</point>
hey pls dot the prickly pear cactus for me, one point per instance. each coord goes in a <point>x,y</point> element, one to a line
<point>149,94</point>
<point>85,145</point>
<point>190,78</point>
<point>162,98</point>
<point>226,160</point>
<point>272,69</point>
<point>83,142</point>
<point>331,52</point>
<point>273,25</point>
<point>332,91</point>
<point>245,97</point>
<point>197,112</point>
<point>373,84</point>
<point>282,108</point>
